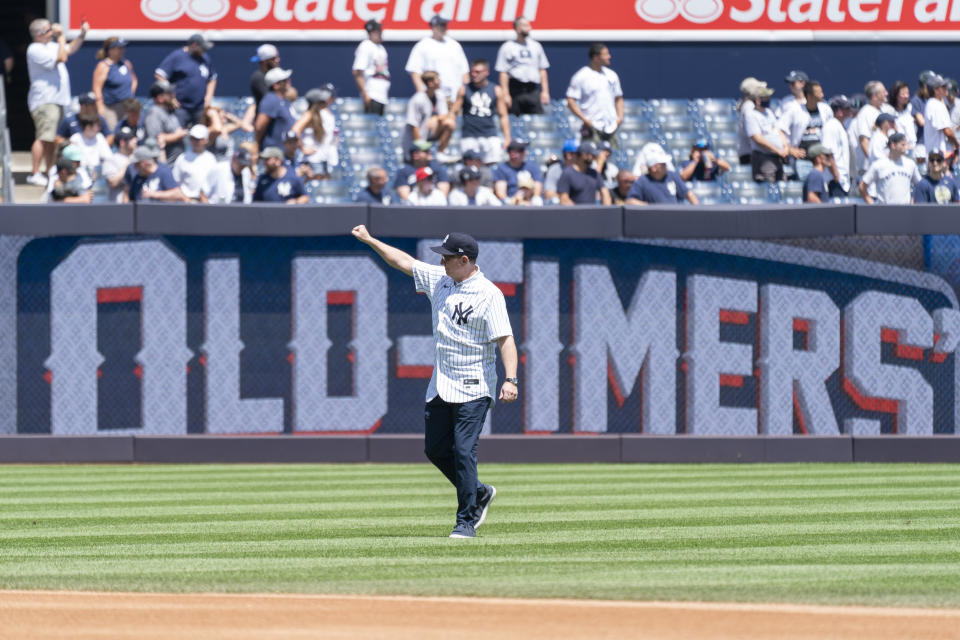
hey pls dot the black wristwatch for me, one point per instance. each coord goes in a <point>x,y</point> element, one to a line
<point>515,381</point>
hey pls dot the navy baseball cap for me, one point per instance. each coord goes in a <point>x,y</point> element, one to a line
<point>472,154</point>
<point>438,21</point>
<point>885,117</point>
<point>457,244</point>
<point>87,98</point>
<point>469,173</point>
<point>587,148</point>
<point>795,76</point>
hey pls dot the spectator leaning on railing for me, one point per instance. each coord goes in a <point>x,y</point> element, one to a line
<point>279,183</point>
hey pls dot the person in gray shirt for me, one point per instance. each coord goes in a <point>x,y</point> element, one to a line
<point>523,65</point>
<point>161,123</point>
<point>428,117</point>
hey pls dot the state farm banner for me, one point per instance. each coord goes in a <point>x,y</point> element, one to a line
<point>492,19</point>
<point>177,335</point>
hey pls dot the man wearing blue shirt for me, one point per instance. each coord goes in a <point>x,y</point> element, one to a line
<point>507,173</point>
<point>935,186</point>
<point>279,183</point>
<point>580,183</point>
<point>192,72</point>
<point>71,124</point>
<point>276,114</point>
<point>420,156</point>
<point>816,187</point>
<point>151,181</point>
<point>375,193</point>
<point>660,186</point>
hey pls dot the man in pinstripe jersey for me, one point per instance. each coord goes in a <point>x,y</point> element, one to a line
<point>469,316</point>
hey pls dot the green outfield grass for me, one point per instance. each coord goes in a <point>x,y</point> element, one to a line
<point>843,534</point>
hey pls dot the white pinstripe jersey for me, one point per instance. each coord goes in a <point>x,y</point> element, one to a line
<point>467,319</point>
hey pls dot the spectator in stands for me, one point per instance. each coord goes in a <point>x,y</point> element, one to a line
<point>235,180</point>
<point>442,54</point>
<point>938,131</point>
<point>483,105</point>
<point>420,157</point>
<point>796,80</point>
<point>595,96</point>
<point>116,166</point>
<point>837,141</point>
<point>68,187</point>
<point>191,71</point>
<point>114,81</point>
<point>703,165</point>
<point>580,183</point>
<point>646,156</point>
<point>953,106</point>
<point>132,110</point>
<point>278,183</point>
<point>276,112</point>
<point>885,126</point>
<point>6,63</point>
<point>425,193</point>
<point>770,148</point>
<point>894,176</point>
<point>625,180</point>
<point>522,65</point>
<point>371,69</point>
<point>267,57</point>
<point>72,154</point>
<point>71,124</point>
<point>507,174</point>
<point>317,128</point>
<point>49,89</point>
<point>429,117</point>
<point>293,157</point>
<point>606,168</point>
<point>903,112</point>
<point>555,170</point>
<point>474,159</point>
<point>749,89</point>
<point>817,186</point>
<point>152,180</point>
<point>93,146</point>
<point>936,186</point>
<point>161,123</point>
<point>472,193</point>
<point>376,192</point>
<point>804,124</point>
<point>196,168</point>
<point>918,102</point>
<point>526,194</point>
<point>866,119</point>
<point>660,186</point>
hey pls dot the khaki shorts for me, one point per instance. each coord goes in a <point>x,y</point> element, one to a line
<point>46,118</point>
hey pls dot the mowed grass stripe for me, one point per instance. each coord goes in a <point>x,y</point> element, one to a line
<point>870,534</point>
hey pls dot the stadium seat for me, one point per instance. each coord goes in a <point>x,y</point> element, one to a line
<point>358,122</point>
<point>538,122</point>
<point>716,106</point>
<point>714,123</point>
<point>679,122</point>
<point>668,107</point>
<point>348,105</point>
<point>396,106</point>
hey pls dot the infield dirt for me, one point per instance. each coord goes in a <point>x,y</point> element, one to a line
<point>39,615</point>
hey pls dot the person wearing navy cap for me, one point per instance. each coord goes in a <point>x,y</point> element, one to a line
<point>190,70</point>
<point>71,124</point>
<point>796,80</point>
<point>893,177</point>
<point>113,81</point>
<point>469,319</point>
<point>420,156</point>
<point>507,173</point>
<point>837,141</point>
<point>884,126</point>
<point>471,192</point>
<point>371,69</point>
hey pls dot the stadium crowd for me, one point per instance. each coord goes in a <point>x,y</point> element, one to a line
<point>890,147</point>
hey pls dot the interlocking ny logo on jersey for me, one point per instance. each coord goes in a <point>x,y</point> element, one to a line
<point>461,315</point>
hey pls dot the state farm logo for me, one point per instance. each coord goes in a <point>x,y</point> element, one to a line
<point>199,10</point>
<point>661,11</point>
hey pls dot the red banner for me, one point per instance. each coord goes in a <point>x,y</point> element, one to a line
<point>556,19</point>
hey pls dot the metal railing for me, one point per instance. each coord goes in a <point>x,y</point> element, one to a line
<point>6,151</point>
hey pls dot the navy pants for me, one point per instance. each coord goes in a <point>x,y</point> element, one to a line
<point>451,439</point>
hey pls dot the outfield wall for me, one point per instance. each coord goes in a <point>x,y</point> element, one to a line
<point>150,332</point>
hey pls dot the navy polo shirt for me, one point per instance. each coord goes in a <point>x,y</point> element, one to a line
<point>190,76</point>
<point>939,191</point>
<point>160,180</point>
<point>504,171</point>
<point>817,183</point>
<point>278,189</point>
<point>670,190</point>
<point>281,120</point>
<point>582,188</point>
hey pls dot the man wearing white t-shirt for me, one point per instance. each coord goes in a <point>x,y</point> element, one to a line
<point>196,168</point>
<point>49,88</point>
<point>893,177</point>
<point>862,127</point>
<point>837,140</point>
<point>370,69</point>
<point>522,65</point>
<point>441,53</point>
<point>937,128</point>
<point>595,96</point>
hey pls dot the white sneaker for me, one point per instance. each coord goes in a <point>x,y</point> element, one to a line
<point>447,158</point>
<point>37,179</point>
